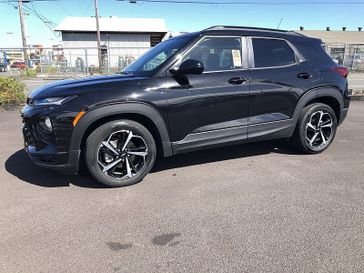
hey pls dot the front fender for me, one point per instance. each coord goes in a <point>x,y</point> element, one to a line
<point>143,109</point>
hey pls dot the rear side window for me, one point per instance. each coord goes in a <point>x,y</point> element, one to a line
<point>272,52</point>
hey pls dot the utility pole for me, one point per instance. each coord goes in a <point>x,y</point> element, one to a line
<point>98,34</point>
<point>22,26</point>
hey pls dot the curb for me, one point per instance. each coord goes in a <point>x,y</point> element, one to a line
<point>357,98</point>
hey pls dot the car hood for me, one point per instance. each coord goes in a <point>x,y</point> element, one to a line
<point>79,86</point>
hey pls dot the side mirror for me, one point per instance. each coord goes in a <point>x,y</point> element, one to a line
<point>189,66</point>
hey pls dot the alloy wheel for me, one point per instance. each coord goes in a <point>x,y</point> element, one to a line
<point>122,154</point>
<point>319,130</point>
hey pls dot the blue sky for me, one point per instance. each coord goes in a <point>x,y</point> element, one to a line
<point>187,17</point>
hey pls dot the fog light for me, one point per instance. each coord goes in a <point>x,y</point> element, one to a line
<point>46,124</point>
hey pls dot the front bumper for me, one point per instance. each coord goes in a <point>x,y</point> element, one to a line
<point>49,149</point>
<point>46,159</point>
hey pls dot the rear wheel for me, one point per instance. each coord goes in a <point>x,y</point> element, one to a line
<point>120,153</point>
<point>316,128</point>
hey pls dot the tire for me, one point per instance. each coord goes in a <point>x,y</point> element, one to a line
<point>120,153</point>
<point>311,136</point>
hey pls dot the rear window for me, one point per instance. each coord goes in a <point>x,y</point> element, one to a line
<point>314,52</point>
<point>272,52</point>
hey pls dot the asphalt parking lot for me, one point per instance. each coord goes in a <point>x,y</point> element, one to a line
<point>249,208</point>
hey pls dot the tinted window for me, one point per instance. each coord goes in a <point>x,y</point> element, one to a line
<point>217,53</point>
<point>156,56</point>
<point>272,52</point>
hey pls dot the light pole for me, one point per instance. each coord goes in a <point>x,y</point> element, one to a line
<point>22,26</point>
<point>108,52</point>
<point>98,35</point>
<point>11,34</point>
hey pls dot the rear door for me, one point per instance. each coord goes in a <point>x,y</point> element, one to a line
<point>279,76</point>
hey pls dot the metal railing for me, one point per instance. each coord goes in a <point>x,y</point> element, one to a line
<point>68,61</point>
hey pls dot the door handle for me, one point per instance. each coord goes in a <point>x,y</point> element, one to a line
<point>237,80</point>
<point>304,75</point>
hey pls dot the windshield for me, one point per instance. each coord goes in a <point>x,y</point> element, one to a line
<point>155,57</point>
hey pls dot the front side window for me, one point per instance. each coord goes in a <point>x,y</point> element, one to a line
<point>217,53</point>
<point>272,52</point>
<point>155,57</point>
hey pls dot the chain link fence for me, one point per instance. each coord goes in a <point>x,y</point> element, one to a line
<point>72,61</point>
<point>64,62</point>
<point>349,55</point>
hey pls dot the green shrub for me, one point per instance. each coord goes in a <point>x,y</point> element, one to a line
<point>11,92</point>
<point>51,70</point>
<point>29,72</point>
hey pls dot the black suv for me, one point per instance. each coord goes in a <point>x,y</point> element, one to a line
<point>222,85</point>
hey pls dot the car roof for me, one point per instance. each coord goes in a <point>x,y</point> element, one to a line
<point>256,31</point>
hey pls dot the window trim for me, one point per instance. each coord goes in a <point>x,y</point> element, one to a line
<point>243,48</point>
<point>298,56</point>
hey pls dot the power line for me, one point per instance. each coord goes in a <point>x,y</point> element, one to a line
<point>36,13</point>
<point>42,18</point>
<point>62,8</point>
<point>26,1</point>
<point>316,3</point>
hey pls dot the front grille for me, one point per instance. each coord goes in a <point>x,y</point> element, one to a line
<point>52,147</point>
<point>28,136</point>
<point>36,134</point>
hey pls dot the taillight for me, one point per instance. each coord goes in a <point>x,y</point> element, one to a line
<point>343,71</point>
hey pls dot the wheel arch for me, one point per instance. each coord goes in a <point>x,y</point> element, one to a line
<point>331,96</point>
<point>330,101</point>
<point>327,95</point>
<point>143,113</point>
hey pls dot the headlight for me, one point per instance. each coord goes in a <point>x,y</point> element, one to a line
<point>50,101</point>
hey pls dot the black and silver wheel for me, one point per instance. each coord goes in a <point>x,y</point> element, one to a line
<point>120,153</point>
<point>316,128</point>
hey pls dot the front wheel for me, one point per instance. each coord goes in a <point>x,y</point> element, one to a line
<point>120,153</point>
<point>316,128</point>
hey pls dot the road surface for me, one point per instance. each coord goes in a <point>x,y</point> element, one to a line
<point>248,208</point>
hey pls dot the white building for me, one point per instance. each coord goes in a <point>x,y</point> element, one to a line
<point>122,39</point>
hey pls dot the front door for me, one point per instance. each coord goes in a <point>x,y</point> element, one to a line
<point>210,108</point>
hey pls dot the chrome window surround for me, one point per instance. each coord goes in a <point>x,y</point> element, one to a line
<point>298,56</point>
<point>247,53</point>
<point>243,48</point>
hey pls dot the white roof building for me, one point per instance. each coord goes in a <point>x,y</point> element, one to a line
<point>122,39</point>
<point>336,36</point>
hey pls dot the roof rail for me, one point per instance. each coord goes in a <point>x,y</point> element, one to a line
<point>219,27</point>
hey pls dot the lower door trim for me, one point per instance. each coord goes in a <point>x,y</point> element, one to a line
<point>208,139</point>
<point>235,135</point>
